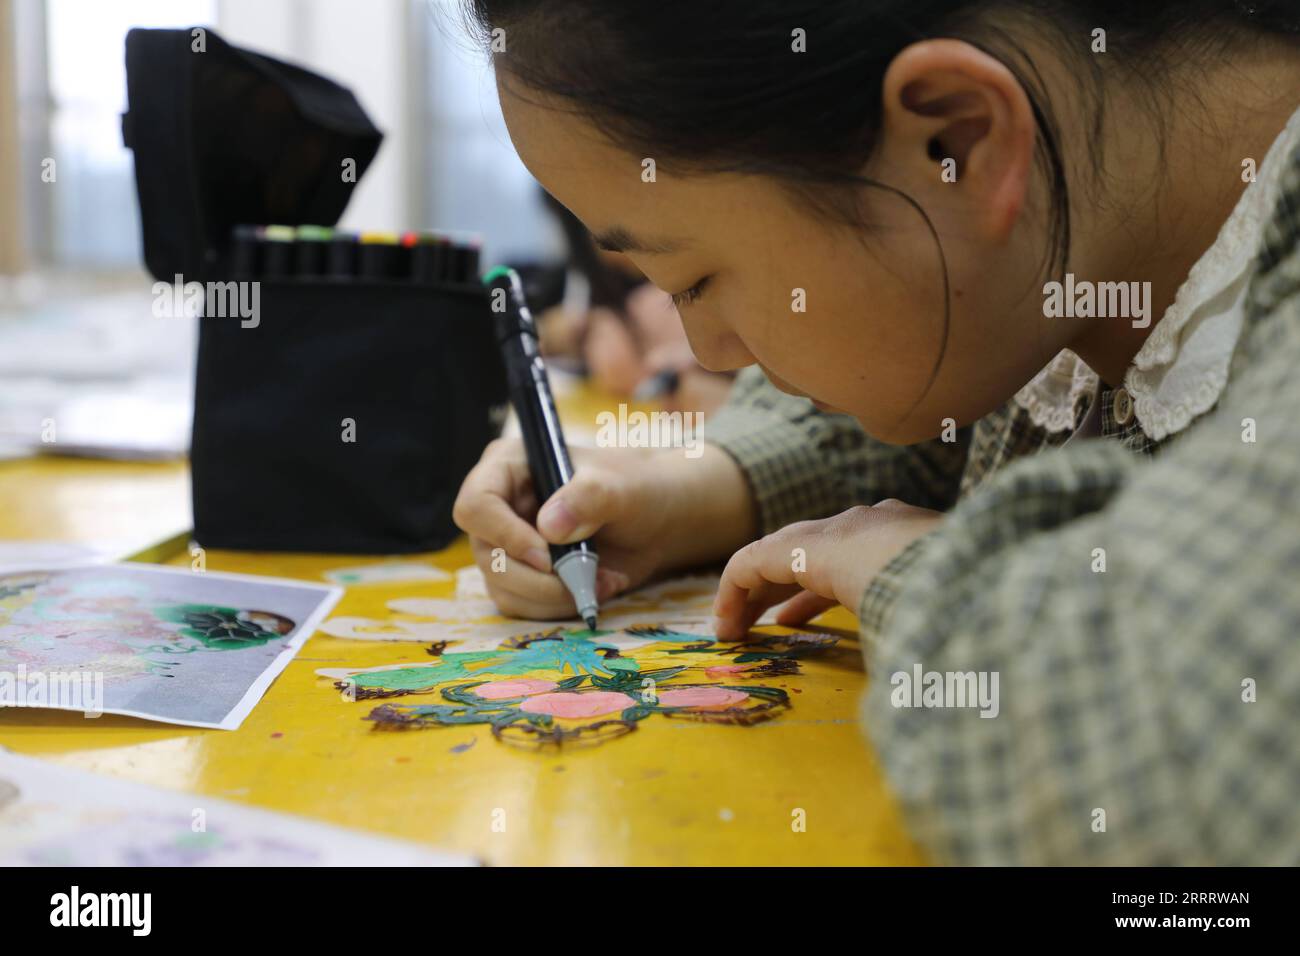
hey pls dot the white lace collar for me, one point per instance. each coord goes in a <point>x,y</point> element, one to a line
<point>1182,368</point>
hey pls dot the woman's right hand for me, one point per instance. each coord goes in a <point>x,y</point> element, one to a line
<point>647,511</point>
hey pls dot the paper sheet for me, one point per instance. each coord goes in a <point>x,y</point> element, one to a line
<point>168,644</point>
<point>55,816</point>
<point>472,620</point>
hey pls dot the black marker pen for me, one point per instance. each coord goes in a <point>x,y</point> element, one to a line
<point>548,455</point>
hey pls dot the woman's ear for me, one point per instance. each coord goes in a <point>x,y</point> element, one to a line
<point>956,114</point>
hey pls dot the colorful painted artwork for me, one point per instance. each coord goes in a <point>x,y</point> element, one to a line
<point>567,686</point>
<point>55,816</point>
<point>163,644</point>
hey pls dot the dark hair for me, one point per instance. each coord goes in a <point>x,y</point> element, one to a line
<point>711,85</point>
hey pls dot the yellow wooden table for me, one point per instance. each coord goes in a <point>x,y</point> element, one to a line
<point>673,792</point>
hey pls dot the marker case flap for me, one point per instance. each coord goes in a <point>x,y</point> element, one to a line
<point>223,136</point>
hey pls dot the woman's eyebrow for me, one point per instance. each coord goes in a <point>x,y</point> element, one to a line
<point>618,239</point>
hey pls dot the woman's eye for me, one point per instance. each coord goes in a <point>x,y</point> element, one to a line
<point>690,295</point>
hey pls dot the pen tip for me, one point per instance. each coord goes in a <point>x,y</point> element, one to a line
<point>591,622</point>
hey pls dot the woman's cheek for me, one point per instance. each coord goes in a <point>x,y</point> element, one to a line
<point>834,366</point>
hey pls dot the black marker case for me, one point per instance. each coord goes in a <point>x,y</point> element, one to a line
<point>409,371</point>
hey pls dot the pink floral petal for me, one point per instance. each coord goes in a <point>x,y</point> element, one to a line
<point>594,704</point>
<point>702,698</point>
<point>725,670</point>
<point>505,689</point>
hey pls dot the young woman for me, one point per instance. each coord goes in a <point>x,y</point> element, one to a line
<point>1016,289</point>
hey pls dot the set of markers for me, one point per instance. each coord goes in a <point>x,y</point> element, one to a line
<point>269,252</point>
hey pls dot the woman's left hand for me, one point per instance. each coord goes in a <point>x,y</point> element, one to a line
<point>817,563</point>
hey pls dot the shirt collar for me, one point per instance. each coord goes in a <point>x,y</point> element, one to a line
<point>1182,368</point>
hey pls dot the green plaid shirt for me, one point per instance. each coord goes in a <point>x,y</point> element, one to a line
<point>1148,713</point>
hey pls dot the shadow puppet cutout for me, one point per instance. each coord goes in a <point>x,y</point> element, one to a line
<point>618,679</point>
<point>615,704</point>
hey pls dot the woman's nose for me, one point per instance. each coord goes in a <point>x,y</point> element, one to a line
<point>716,347</point>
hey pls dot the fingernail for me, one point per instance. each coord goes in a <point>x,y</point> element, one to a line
<point>538,559</point>
<point>556,520</point>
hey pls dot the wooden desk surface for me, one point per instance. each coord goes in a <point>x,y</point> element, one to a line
<point>673,792</point>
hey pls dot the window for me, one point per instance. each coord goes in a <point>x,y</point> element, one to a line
<point>69,117</point>
<point>470,177</point>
